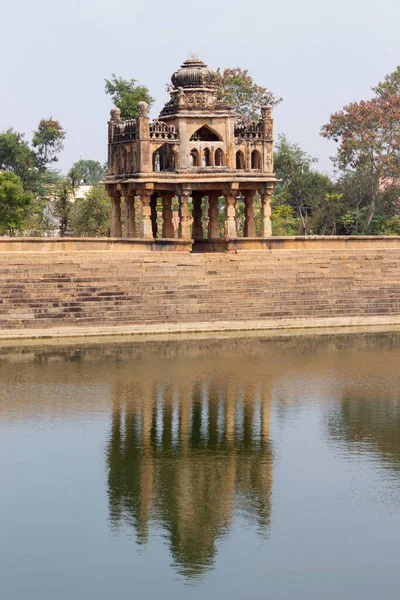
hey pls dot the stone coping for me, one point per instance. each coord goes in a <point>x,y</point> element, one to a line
<point>173,329</point>
<point>326,242</point>
<point>70,244</point>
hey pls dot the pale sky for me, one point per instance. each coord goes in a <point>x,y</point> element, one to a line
<point>317,55</point>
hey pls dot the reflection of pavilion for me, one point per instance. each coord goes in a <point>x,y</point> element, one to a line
<point>185,457</point>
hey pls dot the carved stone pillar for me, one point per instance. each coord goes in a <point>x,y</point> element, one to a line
<point>116,226</point>
<point>230,214</point>
<point>197,232</point>
<point>130,225</point>
<point>266,228</point>
<point>153,211</point>
<point>212,157</point>
<point>213,225</point>
<point>249,223</point>
<point>168,226</point>
<point>147,231</point>
<point>184,214</point>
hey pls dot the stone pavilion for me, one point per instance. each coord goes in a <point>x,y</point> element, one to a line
<point>195,149</point>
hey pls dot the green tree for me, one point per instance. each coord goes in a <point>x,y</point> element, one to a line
<point>91,216</point>
<point>302,187</point>
<point>48,142</point>
<point>15,204</point>
<point>63,205</point>
<point>238,89</point>
<point>126,94</point>
<point>284,220</point>
<point>85,171</point>
<point>16,157</point>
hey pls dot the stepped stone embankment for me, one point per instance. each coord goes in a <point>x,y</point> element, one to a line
<point>95,291</point>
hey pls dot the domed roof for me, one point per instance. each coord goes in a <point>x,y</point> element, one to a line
<point>193,74</point>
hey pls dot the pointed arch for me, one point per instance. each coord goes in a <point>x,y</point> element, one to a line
<point>255,160</point>
<point>156,161</point>
<point>219,158</point>
<point>194,158</point>
<point>239,159</point>
<point>205,134</point>
<point>206,158</point>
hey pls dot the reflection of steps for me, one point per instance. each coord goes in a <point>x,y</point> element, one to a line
<point>105,288</point>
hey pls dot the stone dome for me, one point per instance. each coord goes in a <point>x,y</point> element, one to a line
<point>193,74</point>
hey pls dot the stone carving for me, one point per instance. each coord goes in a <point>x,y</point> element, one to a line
<point>269,160</point>
<point>115,114</point>
<point>266,112</point>
<point>180,97</point>
<point>143,110</point>
<point>268,129</point>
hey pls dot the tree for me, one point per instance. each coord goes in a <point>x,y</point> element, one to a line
<point>368,134</point>
<point>237,88</point>
<point>126,94</point>
<point>303,188</point>
<point>89,172</point>
<point>16,157</point>
<point>48,141</point>
<point>284,220</point>
<point>63,205</point>
<point>91,216</point>
<point>14,203</point>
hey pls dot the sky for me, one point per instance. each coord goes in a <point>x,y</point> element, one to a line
<point>317,55</point>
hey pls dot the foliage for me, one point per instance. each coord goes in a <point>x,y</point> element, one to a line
<point>88,172</point>
<point>63,195</point>
<point>16,157</point>
<point>302,187</point>
<point>14,204</point>
<point>126,94</point>
<point>91,215</point>
<point>237,88</point>
<point>48,141</point>
<point>284,220</point>
<point>358,189</point>
<point>368,134</point>
<point>392,226</point>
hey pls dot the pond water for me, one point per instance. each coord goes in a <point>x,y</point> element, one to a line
<point>246,468</point>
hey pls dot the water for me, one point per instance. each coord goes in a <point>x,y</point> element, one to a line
<point>250,468</point>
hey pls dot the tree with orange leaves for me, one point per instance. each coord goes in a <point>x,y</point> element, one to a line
<point>368,134</point>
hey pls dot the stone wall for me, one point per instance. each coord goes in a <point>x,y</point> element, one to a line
<point>89,289</point>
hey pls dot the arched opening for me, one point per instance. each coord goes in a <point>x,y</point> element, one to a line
<point>219,157</point>
<point>206,159</point>
<point>156,162</point>
<point>194,158</point>
<point>205,134</point>
<point>239,160</point>
<point>255,160</point>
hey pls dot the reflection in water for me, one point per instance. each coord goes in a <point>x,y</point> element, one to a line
<point>184,430</point>
<point>369,421</point>
<point>185,457</point>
